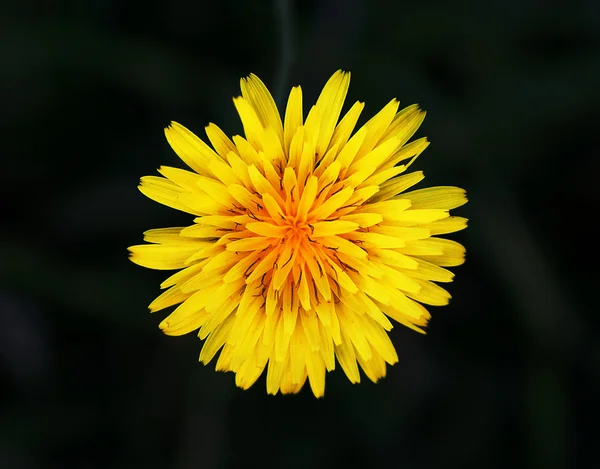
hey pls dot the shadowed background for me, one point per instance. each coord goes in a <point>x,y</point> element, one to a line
<point>508,373</point>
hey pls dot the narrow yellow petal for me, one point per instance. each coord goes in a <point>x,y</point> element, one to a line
<point>328,176</point>
<point>448,225</point>
<point>323,117</point>
<point>267,229</point>
<point>275,373</point>
<point>376,240</point>
<point>282,343</point>
<point>315,367</point>
<point>429,271</point>
<point>399,280</point>
<point>363,220</point>
<point>298,348</point>
<point>216,340</point>
<point>379,177</point>
<point>350,149</point>
<point>243,267</point>
<point>184,179</point>
<point>220,142</point>
<point>253,128</point>
<point>405,123</point>
<point>273,208</point>
<point>407,152</point>
<point>423,247</point>
<point>379,339</point>
<point>331,205</point>
<point>342,278</point>
<point>308,197</point>
<point>411,323</point>
<point>440,197</point>
<point>347,358</point>
<point>246,344</point>
<point>417,217</point>
<point>430,294</point>
<point>164,192</point>
<point>401,232</point>
<point>188,316</point>
<point>224,361</point>
<point>165,235</point>
<point>193,151</point>
<point>201,231</point>
<point>397,185</point>
<point>200,203</point>
<point>374,158</point>
<point>300,284</point>
<point>376,127</point>
<point>331,228</point>
<point>264,266</point>
<point>170,297</point>
<point>296,149</point>
<point>164,256</point>
<point>374,368</point>
<point>223,260</point>
<point>239,167</point>
<point>342,245</point>
<point>273,151</point>
<point>452,253</point>
<point>262,185</point>
<point>219,309</point>
<point>249,372</point>
<point>293,117</point>
<point>360,196</point>
<point>289,313</point>
<point>250,244</point>
<point>405,307</point>
<point>255,91</point>
<point>346,126</point>
<point>388,207</point>
<point>223,172</point>
<point>306,163</point>
<point>394,258</point>
<point>183,275</point>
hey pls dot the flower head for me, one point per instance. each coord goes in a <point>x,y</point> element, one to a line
<point>306,242</point>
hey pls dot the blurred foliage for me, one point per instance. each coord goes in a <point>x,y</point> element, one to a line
<point>508,373</point>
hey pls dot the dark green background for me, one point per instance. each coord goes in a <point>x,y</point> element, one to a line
<point>508,375</point>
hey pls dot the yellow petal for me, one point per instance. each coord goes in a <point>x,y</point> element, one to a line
<point>193,151</point>
<point>170,297</point>
<point>430,294</point>
<point>405,124</point>
<point>448,225</point>
<point>164,192</point>
<point>323,117</point>
<point>346,126</point>
<point>293,117</point>
<point>347,358</point>
<point>220,142</point>
<point>331,228</point>
<point>184,179</point>
<point>376,127</point>
<point>397,185</point>
<point>164,256</point>
<point>252,126</point>
<point>255,91</point>
<point>440,197</point>
<point>216,340</point>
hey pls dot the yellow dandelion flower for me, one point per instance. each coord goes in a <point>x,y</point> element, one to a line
<point>306,242</point>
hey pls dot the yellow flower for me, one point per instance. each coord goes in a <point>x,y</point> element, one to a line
<point>305,241</point>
